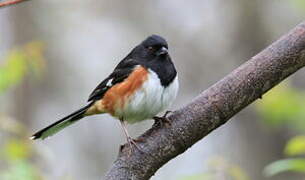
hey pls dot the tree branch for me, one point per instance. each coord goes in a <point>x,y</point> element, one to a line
<point>212,108</point>
<point>12,2</point>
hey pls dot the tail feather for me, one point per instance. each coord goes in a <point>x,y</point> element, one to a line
<point>61,124</point>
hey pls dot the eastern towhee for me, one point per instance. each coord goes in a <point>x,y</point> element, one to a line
<point>143,84</point>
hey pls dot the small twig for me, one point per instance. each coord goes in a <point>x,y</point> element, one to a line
<point>10,3</point>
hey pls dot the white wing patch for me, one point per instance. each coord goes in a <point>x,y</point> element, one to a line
<point>109,82</point>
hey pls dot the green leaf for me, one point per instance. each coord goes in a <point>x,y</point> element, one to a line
<point>300,4</point>
<point>4,81</point>
<point>35,58</point>
<point>283,105</point>
<point>237,173</point>
<point>295,165</point>
<point>16,150</point>
<point>20,170</point>
<point>20,63</point>
<point>295,146</point>
<point>16,67</point>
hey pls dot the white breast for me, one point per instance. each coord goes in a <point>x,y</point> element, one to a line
<point>149,100</point>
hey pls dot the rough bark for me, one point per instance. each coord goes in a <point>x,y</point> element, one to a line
<point>212,108</point>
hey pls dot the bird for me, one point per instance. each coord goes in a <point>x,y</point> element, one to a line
<point>142,85</point>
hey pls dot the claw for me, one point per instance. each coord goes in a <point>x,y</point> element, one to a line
<point>163,120</point>
<point>131,142</point>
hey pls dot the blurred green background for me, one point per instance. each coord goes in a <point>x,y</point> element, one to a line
<point>53,53</point>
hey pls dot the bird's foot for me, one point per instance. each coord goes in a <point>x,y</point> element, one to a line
<point>132,144</point>
<point>163,120</point>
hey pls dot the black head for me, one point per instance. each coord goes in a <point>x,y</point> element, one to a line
<point>152,47</point>
<point>155,42</point>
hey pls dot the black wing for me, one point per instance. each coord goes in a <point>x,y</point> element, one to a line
<point>120,73</point>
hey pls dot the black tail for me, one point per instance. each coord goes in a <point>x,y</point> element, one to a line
<point>61,124</point>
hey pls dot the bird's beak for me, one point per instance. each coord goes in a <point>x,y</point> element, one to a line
<point>162,51</point>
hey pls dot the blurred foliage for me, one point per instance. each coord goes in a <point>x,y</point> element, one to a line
<point>220,169</point>
<point>293,164</point>
<point>20,159</point>
<point>18,169</point>
<point>16,150</point>
<point>20,62</point>
<point>284,106</point>
<point>295,146</point>
<point>300,4</point>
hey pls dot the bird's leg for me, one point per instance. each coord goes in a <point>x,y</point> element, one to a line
<point>163,119</point>
<point>130,141</point>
